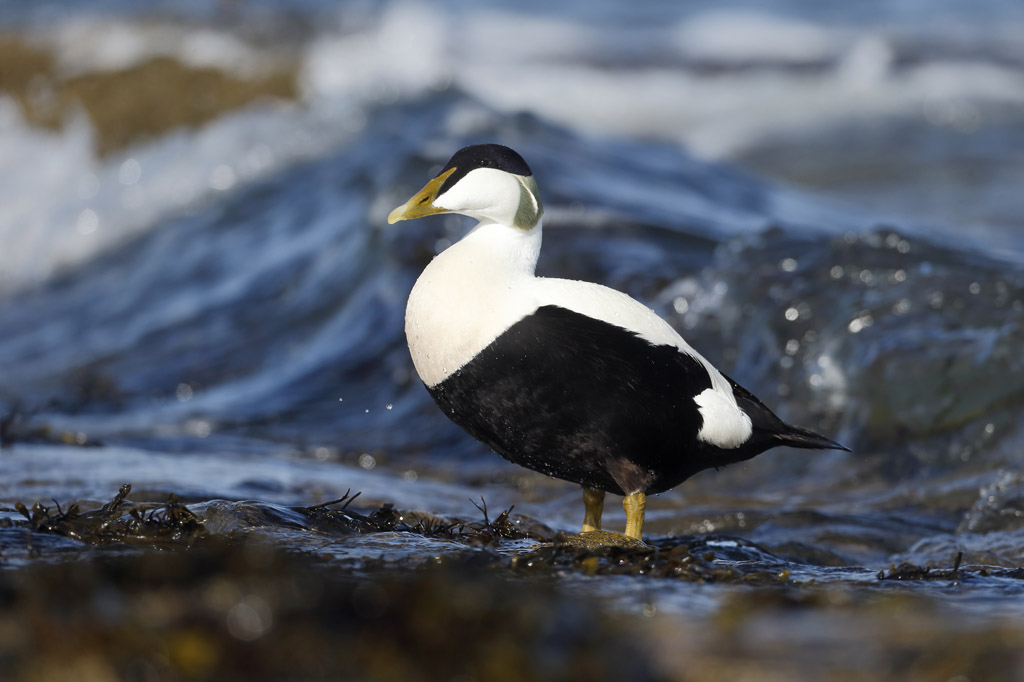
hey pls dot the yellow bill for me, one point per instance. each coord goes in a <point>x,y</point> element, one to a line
<point>422,203</point>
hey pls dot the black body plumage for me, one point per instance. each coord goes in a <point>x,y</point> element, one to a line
<point>586,401</point>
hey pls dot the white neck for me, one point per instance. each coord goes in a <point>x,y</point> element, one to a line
<point>505,249</point>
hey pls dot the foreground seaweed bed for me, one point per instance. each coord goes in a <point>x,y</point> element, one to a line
<point>709,558</point>
<point>189,603</point>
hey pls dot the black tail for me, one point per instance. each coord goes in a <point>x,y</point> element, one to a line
<point>772,431</point>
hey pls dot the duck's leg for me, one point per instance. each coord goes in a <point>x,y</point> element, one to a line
<point>634,504</point>
<point>593,502</point>
<point>593,538</point>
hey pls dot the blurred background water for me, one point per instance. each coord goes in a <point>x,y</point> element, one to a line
<point>199,293</point>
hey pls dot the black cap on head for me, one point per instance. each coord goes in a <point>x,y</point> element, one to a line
<point>476,156</point>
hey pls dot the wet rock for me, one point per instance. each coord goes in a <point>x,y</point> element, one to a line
<point>136,102</point>
<point>597,539</point>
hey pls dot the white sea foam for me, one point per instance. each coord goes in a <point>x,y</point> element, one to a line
<point>85,45</point>
<point>551,66</point>
<point>746,36</point>
<point>400,56</point>
<point>62,205</point>
<point>719,115</point>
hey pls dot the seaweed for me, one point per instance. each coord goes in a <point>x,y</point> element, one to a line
<point>504,528</point>
<point>388,519</point>
<point>697,559</point>
<point>171,523</point>
<point>909,571</point>
<point>383,519</point>
<point>118,521</point>
<point>684,558</point>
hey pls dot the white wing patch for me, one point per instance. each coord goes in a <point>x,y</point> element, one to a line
<point>725,424</point>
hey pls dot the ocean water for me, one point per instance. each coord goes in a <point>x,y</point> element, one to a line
<point>824,198</point>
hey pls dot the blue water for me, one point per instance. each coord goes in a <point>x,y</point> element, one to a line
<point>833,218</point>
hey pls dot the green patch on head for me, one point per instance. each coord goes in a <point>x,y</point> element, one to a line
<point>530,207</point>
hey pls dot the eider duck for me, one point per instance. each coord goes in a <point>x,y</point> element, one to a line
<point>572,379</point>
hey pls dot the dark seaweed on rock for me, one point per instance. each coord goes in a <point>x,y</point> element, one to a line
<point>387,519</point>
<point>167,523</point>
<point>686,558</point>
<point>335,516</point>
<point>172,523</point>
<point>506,527</point>
<point>907,571</point>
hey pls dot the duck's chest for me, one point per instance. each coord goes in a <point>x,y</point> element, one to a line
<point>457,308</point>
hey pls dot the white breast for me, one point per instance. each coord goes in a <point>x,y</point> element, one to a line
<point>467,296</point>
